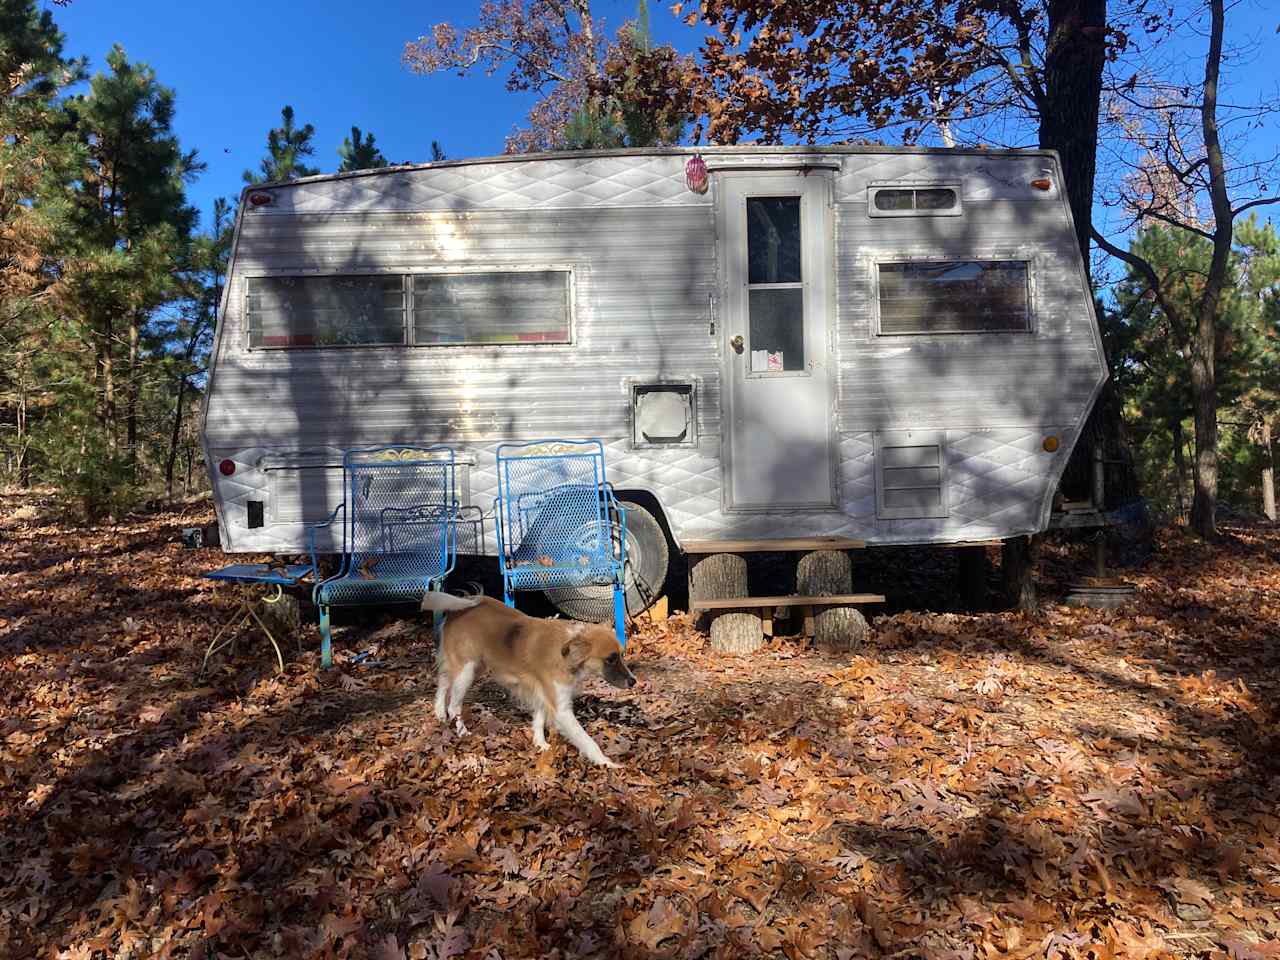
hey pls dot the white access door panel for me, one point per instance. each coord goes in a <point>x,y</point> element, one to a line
<point>775,236</point>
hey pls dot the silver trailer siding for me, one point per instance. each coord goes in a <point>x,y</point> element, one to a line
<point>658,293</point>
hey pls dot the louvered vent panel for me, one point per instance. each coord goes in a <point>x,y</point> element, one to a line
<point>911,475</point>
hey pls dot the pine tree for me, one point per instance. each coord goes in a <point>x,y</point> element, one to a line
<point>286,146</point>
<point>123,239</point>
<point>358,152</point>
<point>192,332</point>
<point>38,160</point>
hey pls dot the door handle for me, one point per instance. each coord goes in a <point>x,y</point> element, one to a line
<point>737,343</point>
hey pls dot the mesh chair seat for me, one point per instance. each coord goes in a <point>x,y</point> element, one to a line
<point>399,529</point>
<point>557,521</point>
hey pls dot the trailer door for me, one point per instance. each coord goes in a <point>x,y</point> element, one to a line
<point>776,247</point>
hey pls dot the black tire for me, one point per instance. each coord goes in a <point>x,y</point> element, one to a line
<point>647,561</point>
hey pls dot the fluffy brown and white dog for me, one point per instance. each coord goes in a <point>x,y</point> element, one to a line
<point>539,661</point>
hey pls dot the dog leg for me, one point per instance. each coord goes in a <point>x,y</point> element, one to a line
<point>461,684</point>
<point>540,728</point>
<point>568,725</point>
<point>442,693</point>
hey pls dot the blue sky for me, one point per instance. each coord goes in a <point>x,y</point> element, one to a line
<point>234,64</point>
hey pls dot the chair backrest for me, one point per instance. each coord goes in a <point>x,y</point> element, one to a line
<point>401,510</point>
<point>553,502</point>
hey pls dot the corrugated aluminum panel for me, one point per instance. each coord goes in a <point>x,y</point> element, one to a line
<point>642,249</point>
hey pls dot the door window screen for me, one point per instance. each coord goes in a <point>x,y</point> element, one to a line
<point>775,288</point>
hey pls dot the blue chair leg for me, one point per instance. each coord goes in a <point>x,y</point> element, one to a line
<point>619,614</point>
<point>437,617</point>
<point>326,639</point>
<point>508,595</point>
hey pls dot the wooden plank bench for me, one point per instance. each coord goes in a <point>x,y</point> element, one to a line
<point>765,607</point>
<point>765,546</point>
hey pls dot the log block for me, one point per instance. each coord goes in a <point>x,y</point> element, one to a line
<point>824,573</point>
<point>841,629</point>
<point>718,575</point>
<point>736,633</point>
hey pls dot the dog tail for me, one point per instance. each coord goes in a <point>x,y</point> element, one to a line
<point>447,602</point>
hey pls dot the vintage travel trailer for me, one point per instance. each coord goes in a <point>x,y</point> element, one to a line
<point>896,346</point>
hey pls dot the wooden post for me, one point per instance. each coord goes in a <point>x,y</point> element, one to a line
<point>1017,564</point>
<point>973,577</point>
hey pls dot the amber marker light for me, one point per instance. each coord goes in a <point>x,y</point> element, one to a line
<point>1050,444</point>
<point>1044,183</point>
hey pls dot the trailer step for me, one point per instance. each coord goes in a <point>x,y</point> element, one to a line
<point>766,546</point>
<point>747,603</point>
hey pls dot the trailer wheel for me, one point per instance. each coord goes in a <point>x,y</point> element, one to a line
<point>647,561</point>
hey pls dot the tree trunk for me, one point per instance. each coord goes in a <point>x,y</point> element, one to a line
<point>107,392</point>
<point>1268,472</point>
<point>1180,468</point>
<point>1075,52</point>
<point>1204,383</point>
<point>131,401</point>
<point>23,466</point>
<point>1017,563</point>
<point>174,436</point>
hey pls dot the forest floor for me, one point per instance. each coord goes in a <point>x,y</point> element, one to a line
<point>1077,784</point>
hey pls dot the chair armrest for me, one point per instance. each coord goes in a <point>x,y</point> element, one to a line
<point>311,536</point>
<point>611,503</point>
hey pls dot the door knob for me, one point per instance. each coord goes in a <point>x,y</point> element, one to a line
<point>736,343</point>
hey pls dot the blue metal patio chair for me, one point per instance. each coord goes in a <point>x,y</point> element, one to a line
<point>399,537</point>
<point>558,524</point>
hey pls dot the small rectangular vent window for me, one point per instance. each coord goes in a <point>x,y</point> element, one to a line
<point>914,201</point>
<point>911,476</point>
<point>954,296</point>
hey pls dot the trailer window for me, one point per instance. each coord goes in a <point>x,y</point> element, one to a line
<point>914,201</point>
<point>954,296</point>
<point>476,308</point>
<point>325,311</point>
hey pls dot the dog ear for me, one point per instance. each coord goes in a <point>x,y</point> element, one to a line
<point>576,648</point>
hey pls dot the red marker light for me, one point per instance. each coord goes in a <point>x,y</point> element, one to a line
<point>227,467</point>
<point>259,199</point>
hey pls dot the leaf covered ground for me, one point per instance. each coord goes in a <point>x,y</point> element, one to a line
<point>1081,784</point>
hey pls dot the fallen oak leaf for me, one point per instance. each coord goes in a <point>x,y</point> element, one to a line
<point>658,923</point>
<point>388,948</point>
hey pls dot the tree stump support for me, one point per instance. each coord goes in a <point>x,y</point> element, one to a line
<point>724,575</point>
<point>1017,565</point>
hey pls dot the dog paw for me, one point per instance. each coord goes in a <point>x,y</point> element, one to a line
<point>441,715</point>
<point>460,727</point>
<point>543,747</point>
<point>610,764</point>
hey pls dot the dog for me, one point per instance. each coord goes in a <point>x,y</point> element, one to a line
<point>539,661</point>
